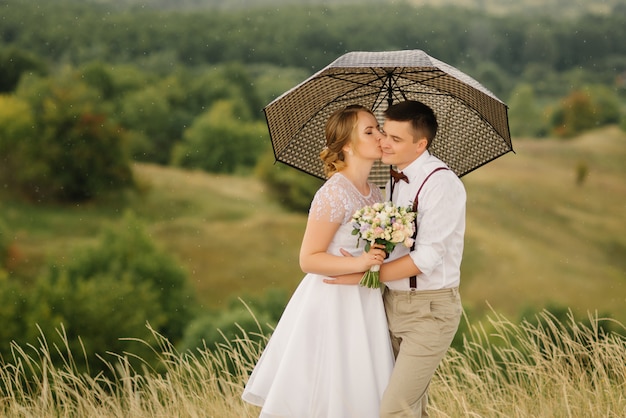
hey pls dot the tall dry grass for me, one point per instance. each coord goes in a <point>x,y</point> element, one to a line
<point>205,383</point>
<point>549,369</point>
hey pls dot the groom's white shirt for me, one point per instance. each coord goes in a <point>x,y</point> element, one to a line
<point>441,224</point>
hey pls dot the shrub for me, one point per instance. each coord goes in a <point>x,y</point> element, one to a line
<point>127,253</point>
<point>12,312</point>
<point>105,295</point>
<point>246,316</point>
<point>98,315</point>
<point>211,329</point>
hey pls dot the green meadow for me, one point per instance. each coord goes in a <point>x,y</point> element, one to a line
<point>545,228</point>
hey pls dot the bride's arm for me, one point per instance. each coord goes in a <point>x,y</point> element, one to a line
<point>397,269</point>
<point>314,258</point>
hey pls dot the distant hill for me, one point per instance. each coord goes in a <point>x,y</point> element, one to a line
<point>536,237</point>
<point>564,8</point>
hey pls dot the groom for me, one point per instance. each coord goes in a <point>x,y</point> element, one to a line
<point>421,293</point>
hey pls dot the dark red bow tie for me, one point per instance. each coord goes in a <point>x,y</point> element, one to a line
<point>397,176</point>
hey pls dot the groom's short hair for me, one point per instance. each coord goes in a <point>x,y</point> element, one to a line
<point>421,116</point>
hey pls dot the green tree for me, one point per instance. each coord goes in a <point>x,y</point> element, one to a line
<point>575,114</point>
<point>206,86</point>
<point>540,45</point>
<point>98,76</point>
<point>16,132</point>
<point>76,151</point>
<point>606,104</point>
<point>147,113</point>
<point>271,81</point>
<point>585,109</point>
<point>547,83</point>
<point>13,63</point>
<point>220,141</point>
<point>524,114</point>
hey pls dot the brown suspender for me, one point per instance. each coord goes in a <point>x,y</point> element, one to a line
<point>413,279</point>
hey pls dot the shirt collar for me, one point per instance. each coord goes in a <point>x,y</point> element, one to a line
<point>413,169</point>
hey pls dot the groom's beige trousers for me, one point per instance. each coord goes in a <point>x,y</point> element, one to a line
<point>422,325</point>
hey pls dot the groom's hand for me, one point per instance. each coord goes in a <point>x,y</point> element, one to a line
<point>345,253</point>
<point>353,278</point>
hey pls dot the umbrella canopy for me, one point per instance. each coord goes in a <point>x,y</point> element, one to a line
<point>473,122</point>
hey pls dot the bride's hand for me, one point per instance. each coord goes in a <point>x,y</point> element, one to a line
<point>374,257</point>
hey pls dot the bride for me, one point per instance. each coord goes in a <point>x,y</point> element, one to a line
<point>330,354</point>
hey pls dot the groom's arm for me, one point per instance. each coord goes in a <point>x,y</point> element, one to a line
<point>394,270</point>
<point>397,269</point>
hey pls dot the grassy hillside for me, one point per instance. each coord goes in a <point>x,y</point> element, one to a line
<point>534,237</point>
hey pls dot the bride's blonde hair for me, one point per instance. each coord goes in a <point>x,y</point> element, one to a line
<point>340,130</point>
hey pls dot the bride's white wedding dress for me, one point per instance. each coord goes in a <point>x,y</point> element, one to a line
<point>330,354</point>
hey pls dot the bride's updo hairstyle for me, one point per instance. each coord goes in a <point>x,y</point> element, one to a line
<point>339,132</point>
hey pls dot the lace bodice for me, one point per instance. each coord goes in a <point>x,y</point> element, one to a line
<point>336,201</point>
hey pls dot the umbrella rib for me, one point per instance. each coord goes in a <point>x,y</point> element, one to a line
<point>438,74</point>
<point>388,77</point>
<point>357,84</point>
<point>386,83</point>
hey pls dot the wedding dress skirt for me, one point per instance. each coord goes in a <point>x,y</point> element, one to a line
<point>329,356</point>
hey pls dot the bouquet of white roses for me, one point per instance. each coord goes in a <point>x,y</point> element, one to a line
<point>385,224</point>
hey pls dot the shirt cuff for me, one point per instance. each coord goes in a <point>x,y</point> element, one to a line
<point>425,258</point>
